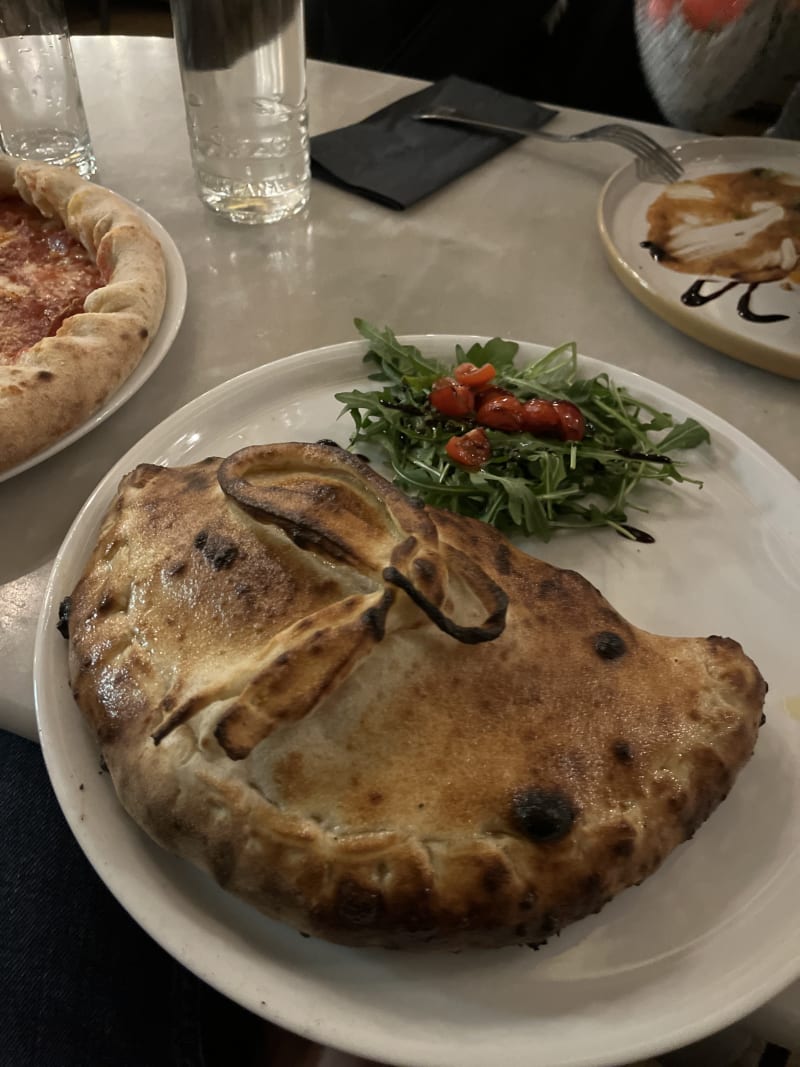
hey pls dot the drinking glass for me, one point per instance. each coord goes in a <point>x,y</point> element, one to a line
<point>41,109</point>
<point>242,65</point>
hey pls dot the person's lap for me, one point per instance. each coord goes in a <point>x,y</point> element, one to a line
<point>80,982</point>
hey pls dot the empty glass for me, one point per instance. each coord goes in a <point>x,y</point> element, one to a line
<point>242,66</point>
<point>41,110</point>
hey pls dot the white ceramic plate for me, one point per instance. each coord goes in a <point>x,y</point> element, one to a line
<point>171,319</point>
<point>622,220</point>
<point>709,937</point>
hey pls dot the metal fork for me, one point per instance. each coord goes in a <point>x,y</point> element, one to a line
<point>653,161</point>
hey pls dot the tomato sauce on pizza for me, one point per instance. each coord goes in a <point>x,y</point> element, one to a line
<point>45,276</point>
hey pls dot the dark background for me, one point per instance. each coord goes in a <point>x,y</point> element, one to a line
<point>590,61</point>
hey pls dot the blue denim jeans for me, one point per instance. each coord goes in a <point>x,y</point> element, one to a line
<point>81,985</point>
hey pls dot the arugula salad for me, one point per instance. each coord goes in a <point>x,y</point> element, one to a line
<point>530,449</point>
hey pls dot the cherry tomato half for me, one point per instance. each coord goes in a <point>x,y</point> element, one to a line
<point>451,398</point>
<point>501,413</point>
<point>540,417</point>
<point>491,393</point>
<point>470,450</point>
<point>573,424</point>
<point>474,377</point>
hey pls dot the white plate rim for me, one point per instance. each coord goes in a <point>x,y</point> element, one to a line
<point>758,353</point>
<point>156,351</point>
<point>774,979</point>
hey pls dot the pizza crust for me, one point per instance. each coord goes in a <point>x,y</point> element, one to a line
<point>58,383</point>
<point>274,706</point>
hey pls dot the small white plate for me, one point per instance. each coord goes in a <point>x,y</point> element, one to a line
<point>622,221</point>
<point>711,936</point>
<point>174,307</point>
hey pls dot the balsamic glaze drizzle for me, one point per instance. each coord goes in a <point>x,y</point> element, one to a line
<point>656,251</point>
<point>635,534</point>
<point>647,457</point>
<point>694,298</point>
<point>743,307</point>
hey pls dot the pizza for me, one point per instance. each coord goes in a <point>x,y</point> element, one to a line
<point>82,290</point>
<point>380,722</point>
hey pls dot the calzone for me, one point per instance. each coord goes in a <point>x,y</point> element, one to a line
<point>383,723</point>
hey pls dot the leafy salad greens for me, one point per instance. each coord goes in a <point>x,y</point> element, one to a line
<point>530,484</point>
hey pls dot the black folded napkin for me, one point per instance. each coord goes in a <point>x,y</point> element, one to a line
<point>397,160</point>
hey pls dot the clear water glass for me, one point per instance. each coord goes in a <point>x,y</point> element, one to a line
<point>242,66</point>
<point>41,109</point>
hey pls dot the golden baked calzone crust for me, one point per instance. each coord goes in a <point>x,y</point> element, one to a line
<point>380,722</point>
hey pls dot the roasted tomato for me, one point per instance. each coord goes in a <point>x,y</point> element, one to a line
<point>470,450</point>
<point>573,424</point>
<point>451,398</point>
<point>540,417</point>
<point>474,377</point>
<point>490,393</point>
<point>501,413</point>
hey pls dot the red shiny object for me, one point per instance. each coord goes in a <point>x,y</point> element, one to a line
<point>470,450</point>
<point>712,14</point>
<point>573,424</point>
<point>452,399</point>
<point>541,418</point>
<point>501,413</point>
<point>474,377</point>
<point>490,394</point>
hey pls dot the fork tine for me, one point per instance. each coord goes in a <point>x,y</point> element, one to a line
<point>654,161</point>
<point>639,141</point>
<point>636,135</point>
<point>657,154</point>
<point>649,163</point>
<point>667,167</point>
<point>631,133</point>
<point>647,172</point>
<point>647,149</point>
<point>643,146</point>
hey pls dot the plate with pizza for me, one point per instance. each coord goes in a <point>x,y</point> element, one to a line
<point>92,293</point>
<point>711,936</point>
